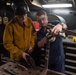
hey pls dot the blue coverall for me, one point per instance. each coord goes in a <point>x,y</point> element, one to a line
<point>56,52</point>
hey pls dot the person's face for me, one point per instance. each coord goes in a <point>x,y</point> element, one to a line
<point>22,18</point>
<point>43,20</point>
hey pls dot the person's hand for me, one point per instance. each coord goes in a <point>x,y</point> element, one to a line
<point>56,29</point>
<point>24,55</point>
<point>42,42</point>
<point>30,50</point>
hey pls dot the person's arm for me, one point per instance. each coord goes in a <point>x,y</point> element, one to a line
<point>8,43</point>
<point>33,39</point>
<point>42,42</point>
<point>58,28</point>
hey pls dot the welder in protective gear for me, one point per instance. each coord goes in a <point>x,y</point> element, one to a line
<point>19,34</point>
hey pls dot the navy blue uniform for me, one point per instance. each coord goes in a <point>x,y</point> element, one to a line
<point>56,52</point>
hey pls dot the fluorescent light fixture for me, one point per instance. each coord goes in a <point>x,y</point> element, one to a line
<point>8,3</point>
<point>56,5</point>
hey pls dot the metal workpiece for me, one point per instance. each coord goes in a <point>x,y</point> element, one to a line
<point>12,68</point>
